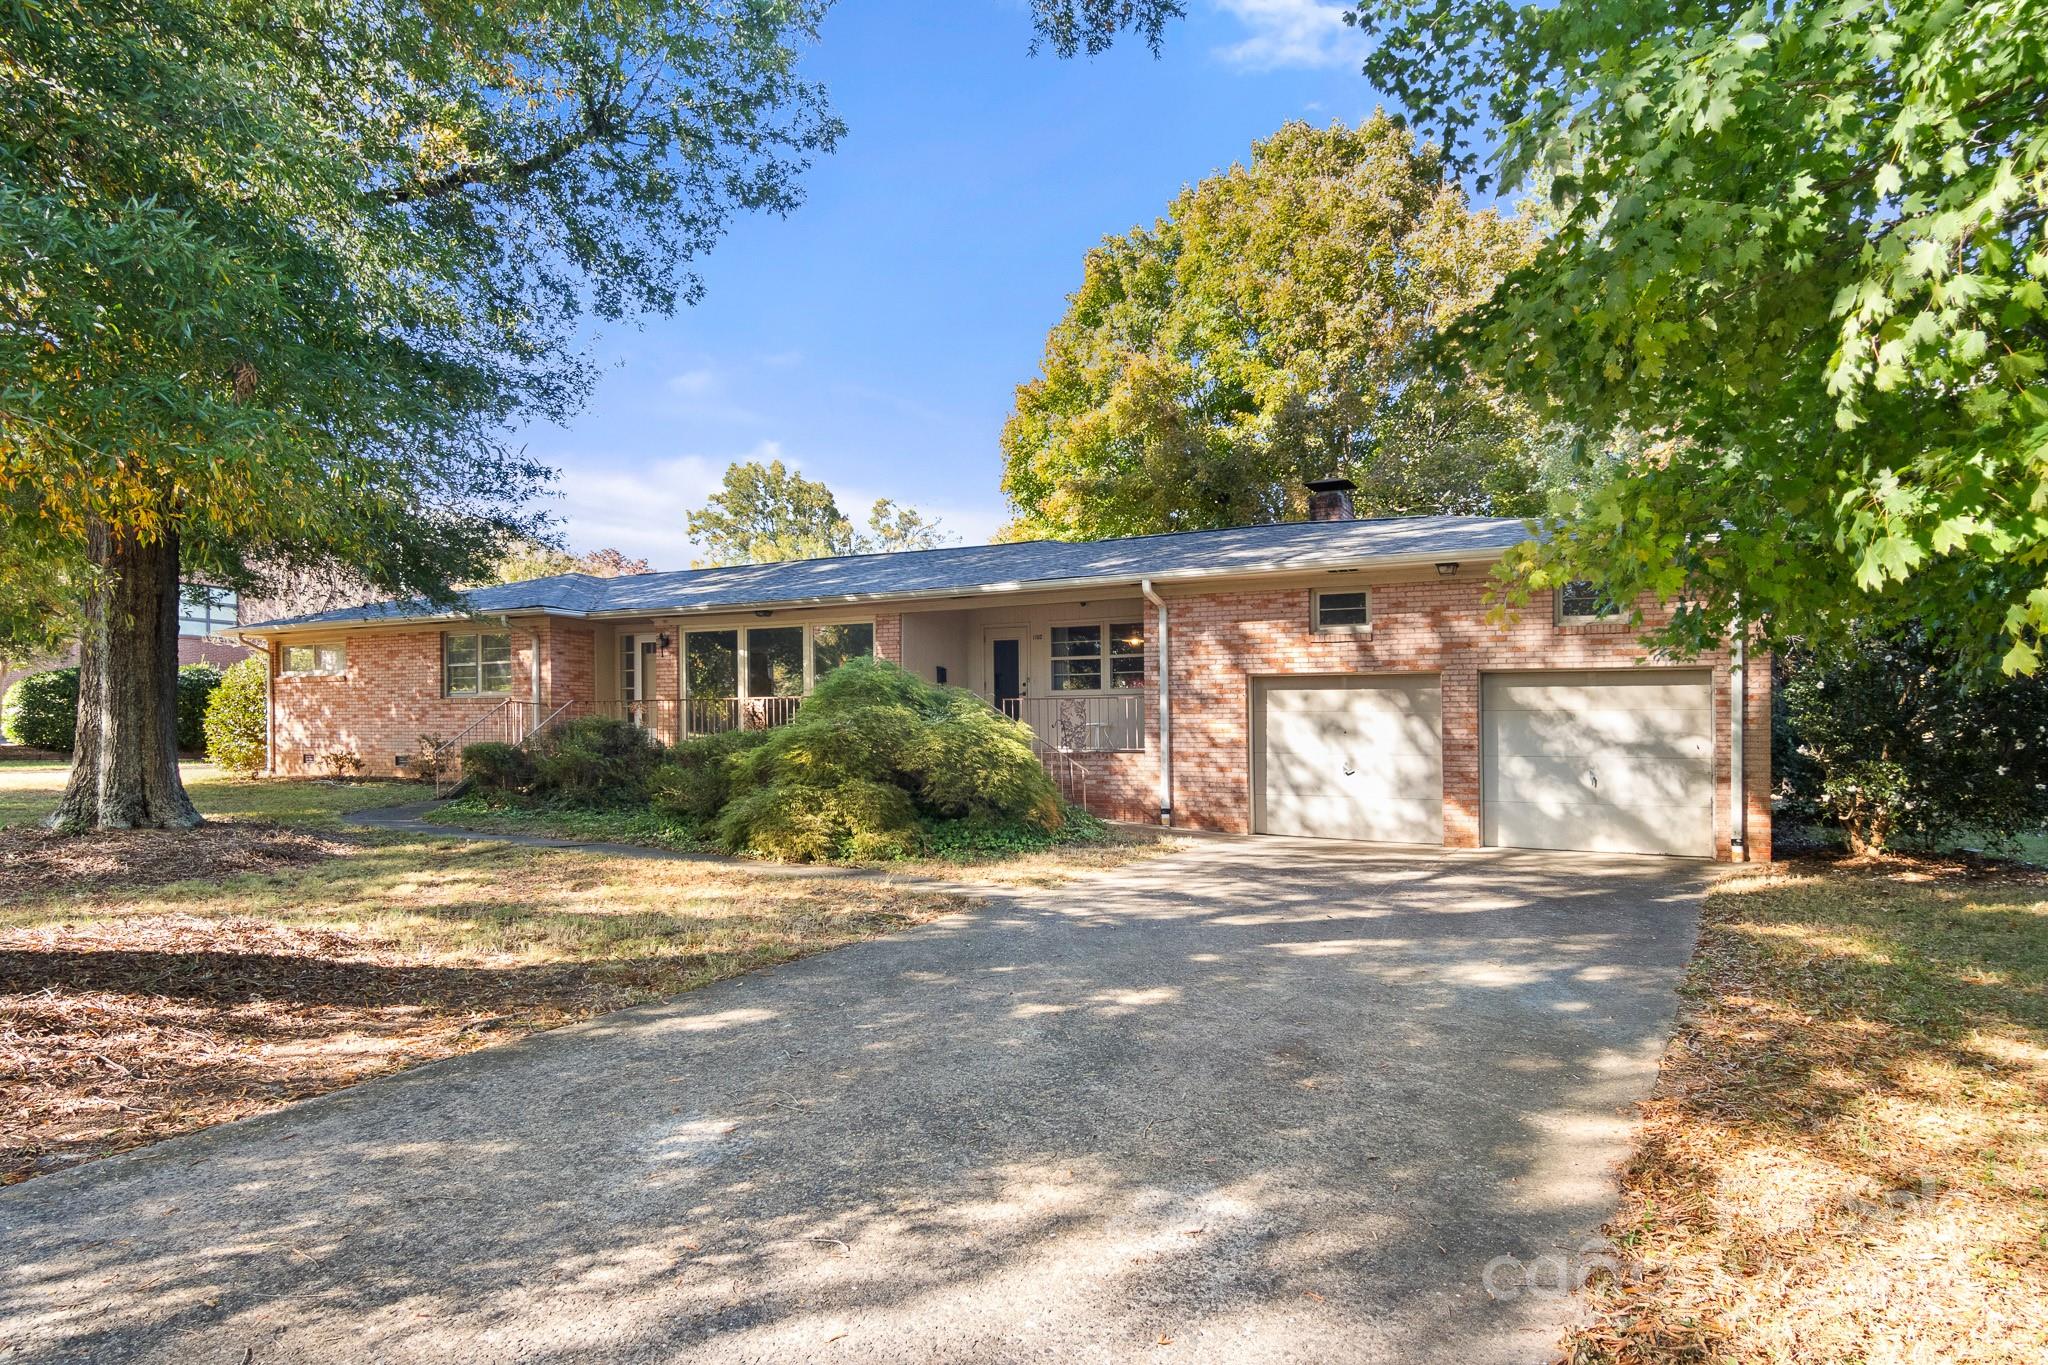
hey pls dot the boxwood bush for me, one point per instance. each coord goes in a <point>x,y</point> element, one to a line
<point>497,769</point>
<point>41,710</point>
<point>594,761</point>
<point>696,780</point>
<point>873,754</point>
<point>232,727</point>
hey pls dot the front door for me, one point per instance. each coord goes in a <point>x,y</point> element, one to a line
<point>1006,673</point>
<point>636,677</point>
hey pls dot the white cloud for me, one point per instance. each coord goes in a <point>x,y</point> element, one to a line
<point>642,508</point>
<point>1285,33</point>
<point>692,383</point>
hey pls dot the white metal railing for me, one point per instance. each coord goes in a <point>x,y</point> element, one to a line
<point>1082,725</point>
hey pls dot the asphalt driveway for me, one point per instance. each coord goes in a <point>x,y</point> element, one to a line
<point>1269,1100</point>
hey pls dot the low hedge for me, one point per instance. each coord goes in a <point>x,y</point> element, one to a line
<point>695,781</point>
<point>196,683</point>
<point>497,769</point>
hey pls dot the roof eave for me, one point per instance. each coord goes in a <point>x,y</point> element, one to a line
<point>1092,581</point>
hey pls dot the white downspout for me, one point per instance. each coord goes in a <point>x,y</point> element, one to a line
<point>1165,708</point>
<point>1738,703</point>
<point>269,708</point>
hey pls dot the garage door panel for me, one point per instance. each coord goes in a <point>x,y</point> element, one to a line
<point>1599,829</point>
<point>1351,758</point>
<point>1638,781</point>
<point>1566,691</point>
<point>1604,762</point>
<point>1687,730</point>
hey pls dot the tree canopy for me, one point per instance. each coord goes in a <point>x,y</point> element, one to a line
<point>1273,327</point>
<point>768,513</point>
<point>534,559</point>
<point>1800,247</point>
<point>284,273</point>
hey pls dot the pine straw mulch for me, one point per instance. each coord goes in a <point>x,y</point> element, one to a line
<point>34,861</point>
<point>117,1035</point>
<point>1846,1155</point>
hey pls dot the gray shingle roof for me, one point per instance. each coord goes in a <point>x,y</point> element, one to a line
<point>975,568</point>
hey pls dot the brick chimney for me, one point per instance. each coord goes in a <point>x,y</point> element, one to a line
<point>1330,499</point>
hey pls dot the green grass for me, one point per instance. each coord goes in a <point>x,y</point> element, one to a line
<point>29,791</point>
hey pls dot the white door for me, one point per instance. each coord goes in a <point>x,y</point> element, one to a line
<point>636,677</point>
<point>1608,762</point>
<point>1349,758</point>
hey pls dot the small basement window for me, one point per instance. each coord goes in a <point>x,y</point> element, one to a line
<point>1343,610</point>
<point>478,665</point>
<point>315,659</point>
<point>1581,601</point>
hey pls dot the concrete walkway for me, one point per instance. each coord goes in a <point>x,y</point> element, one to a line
<point>1264,1100</point>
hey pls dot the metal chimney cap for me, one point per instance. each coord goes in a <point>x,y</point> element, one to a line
<point>1331,486</point>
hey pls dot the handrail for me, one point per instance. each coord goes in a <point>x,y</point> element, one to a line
<point>442,748</point>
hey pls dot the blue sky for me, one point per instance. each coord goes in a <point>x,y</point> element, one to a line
<point>875,337</point>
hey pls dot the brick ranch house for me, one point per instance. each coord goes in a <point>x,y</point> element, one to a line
<point>1335,678</point>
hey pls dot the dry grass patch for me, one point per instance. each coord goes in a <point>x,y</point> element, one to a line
<point>35,862</point>
<point>131,1014</point>
<point>1846,1157</point>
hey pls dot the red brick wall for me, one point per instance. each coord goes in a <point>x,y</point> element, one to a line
<point>1222,641</point>
<point>390,695</point>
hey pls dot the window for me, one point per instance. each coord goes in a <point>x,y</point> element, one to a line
<point>775,662</point>
<point>207,611</point>
<point>832,646</point>
<point>315,659</point>
<point>1343,610</point>
<point>1582,600</point>
<point>476,665</point>
<point>1078,658</point>
<point>1127,655</point>
<point>711,663</point>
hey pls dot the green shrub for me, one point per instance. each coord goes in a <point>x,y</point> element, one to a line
<point>42,710</point>
<point>495,768</point>
<point>978,838</point>
<point>195,687</point>
<point>873,756</point>
<point>594,761</point>
<point>1889,738</point>
<point>853,817</point>
<point>233,722</point>
<point>696,780</point>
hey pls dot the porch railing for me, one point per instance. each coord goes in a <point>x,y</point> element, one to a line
<point>1082,725</point>
<point>672,719</point>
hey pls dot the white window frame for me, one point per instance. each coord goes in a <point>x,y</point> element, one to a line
<point>1321,627</point>
<point>1565,618</point>
<point>320,669</point>
<point>511,660</point>
<point>1106,626</point>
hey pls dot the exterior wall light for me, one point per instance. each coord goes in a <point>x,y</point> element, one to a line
<point>1448,569</point>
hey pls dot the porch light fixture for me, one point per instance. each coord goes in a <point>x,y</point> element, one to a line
<point>764,613</point>
<point>661,642</point>
<point>1448,568</point>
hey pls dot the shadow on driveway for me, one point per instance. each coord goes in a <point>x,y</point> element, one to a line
<point>1267,1100</point>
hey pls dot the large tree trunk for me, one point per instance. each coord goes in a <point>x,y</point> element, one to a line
<point>125,771</point>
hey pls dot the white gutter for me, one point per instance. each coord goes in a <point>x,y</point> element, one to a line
<point>1738,698</point>
<point>1165,707</point>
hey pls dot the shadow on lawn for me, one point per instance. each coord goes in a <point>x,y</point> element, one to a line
<point>1278,1109</point>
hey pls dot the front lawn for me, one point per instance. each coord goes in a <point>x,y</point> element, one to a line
<point>133,1008</point>
<point>1846,1157</point>
<point>29,792</point>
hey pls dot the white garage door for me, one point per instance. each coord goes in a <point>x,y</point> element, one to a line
<point>1605,761</point>
<point>1350,758</point>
